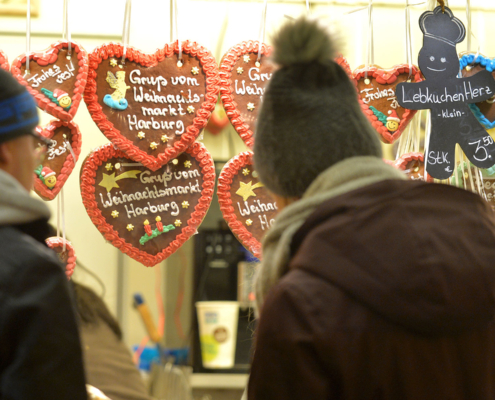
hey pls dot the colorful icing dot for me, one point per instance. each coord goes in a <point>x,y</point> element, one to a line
<point>175,162</point>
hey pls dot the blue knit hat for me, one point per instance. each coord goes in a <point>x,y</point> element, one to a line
<point>18,112</point>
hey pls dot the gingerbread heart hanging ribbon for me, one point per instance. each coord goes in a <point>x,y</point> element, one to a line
<point>60,159</point>
<point>244,77</point>
<point>244,202</point>
<point>152,106</point>
<point>56,79</point>
<point>66,253</point>
<point>147,214</point>
<point>4,61</point>
<point>471,64</point>
<point>376,89</point>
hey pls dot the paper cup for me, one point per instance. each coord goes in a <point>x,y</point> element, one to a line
<point>217,332</point>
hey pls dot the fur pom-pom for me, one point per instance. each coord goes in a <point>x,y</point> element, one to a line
<point>303,40</point>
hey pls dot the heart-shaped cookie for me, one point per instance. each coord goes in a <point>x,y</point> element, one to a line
<point>151,106</point>
<point>4,61</point>
<point>243,80</point>
<point>67,256</point>
<point>147,214</point>
<point>471,64</point>
<point>376,89</point>
<point>245,203</point>
<point>52,173</point>
<point>413,165</point>
<point>55,79</point>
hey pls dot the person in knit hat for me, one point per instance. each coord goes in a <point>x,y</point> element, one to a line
<point>370,286</point>
<point>40,351</point>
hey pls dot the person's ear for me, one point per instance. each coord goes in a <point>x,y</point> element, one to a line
<point>5,153</point>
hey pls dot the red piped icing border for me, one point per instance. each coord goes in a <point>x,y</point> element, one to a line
<point>69,162</point>
<point>44,59</point>
<point>225,179</point>
<point>384,77</point>
<point>88,176</point>
<point>109,50</point>
<point>226,66</point>
<point>54,242</point>
<point>4,61</point>
<point>406,158</point>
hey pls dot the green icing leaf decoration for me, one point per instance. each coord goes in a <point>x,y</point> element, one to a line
<point>49,94</point>
<point>154,233</point>
<point>381,116</point>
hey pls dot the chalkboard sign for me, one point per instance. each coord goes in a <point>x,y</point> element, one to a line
<point>448,96</point>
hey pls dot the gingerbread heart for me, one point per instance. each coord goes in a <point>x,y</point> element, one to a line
<point>413,165</point>
<point>147,214</point>
<point>376,89</point>
<point>67,256</point>
<point>55,79</point>
<point>244,202</point>
<point>471,64</point>
<point>243,82</point>
<point>60,159</point>
<point>151,106</point>
<point>4,61</point>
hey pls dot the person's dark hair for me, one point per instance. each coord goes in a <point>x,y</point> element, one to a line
<point>92,310</point>
<point>310,118</point>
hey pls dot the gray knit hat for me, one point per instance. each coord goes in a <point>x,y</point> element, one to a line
<point>310,117</point>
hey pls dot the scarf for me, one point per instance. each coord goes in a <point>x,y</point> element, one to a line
<point>345,176</point>
<point>16,204</point>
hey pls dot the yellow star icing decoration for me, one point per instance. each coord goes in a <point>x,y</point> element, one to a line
<point>246,190</point>
<point>177,222</point>
<point>141,135</point>
<point>249,222</point>
<point>250,106</point>
<point>240,70</point>
<point>108,167</point>
<point>164,138</point>
<point>190,109</point>
<point>195,70</point>
<point>153,145</point>
<point>113,62</point>
<point>187,164</point>
<point>246,58</point>
<point>130,227</point>
<point>245,171</point>
<point>115,213</point>
<point>109,181</point>
<point>185,204</point>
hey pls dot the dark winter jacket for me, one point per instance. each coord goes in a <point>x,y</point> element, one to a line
<point>40,354</point>
<point>390,295</point>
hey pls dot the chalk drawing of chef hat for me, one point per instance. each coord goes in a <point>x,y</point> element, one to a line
<point>442,26</point>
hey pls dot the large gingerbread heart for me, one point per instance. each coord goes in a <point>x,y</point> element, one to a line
<point>243,82</point>
<point>4,61</point>
<point>56,80</point>
<point>52,173</point>
<point>245,203</point>
<point>471,65</point>
<point>147,214</point>
<point>376,89</point>
<point>413,165</point>
<point>67,256</point>
<point>151,106</point>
